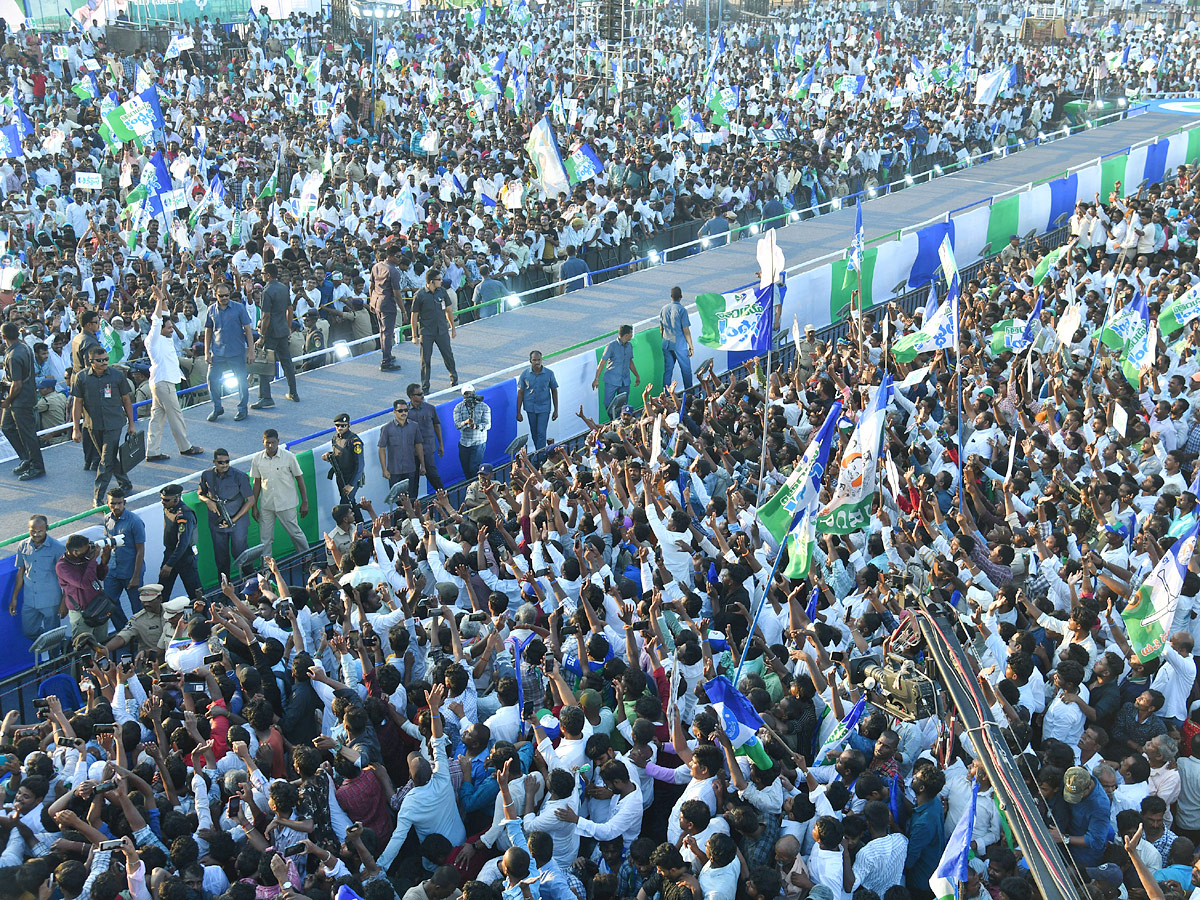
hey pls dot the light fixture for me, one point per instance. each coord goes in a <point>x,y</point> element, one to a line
<point>754,228</point>
<point>937,170</point>
<point>871,193</point>
<point>512,301</point>
<point>1041,135</point>
<point>229,382</point>
<point>1089,125</point>
<point>837,203</point>
<point>704,242</point>
<point>794,217</point>
<point>908,180</point>
<point>1122,102</point>
<point>341,350</point>
<point>654,258</point>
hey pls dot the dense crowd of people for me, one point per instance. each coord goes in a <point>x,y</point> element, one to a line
<point>594,679</point>
<point>286,146</point>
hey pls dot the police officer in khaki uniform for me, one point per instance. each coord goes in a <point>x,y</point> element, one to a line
<point>147,626</point>
<point>173,611</point>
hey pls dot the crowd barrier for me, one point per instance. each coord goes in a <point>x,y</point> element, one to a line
<point>898,267</point>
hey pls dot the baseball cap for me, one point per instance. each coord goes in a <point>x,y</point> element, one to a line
<point>627,410</point>
<point>1076,782</point>
<point>467,388</point>
<point>1108,873</point>
<point>487,469</point>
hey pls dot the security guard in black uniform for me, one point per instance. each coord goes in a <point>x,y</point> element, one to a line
<point>346,463</point>
<point>179,544</point>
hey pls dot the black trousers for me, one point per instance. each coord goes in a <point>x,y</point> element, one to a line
<point>187,572</point>
<point>441,337</point>
<point>19,427</point>
<point>387,332</point>
<point>283,354</point>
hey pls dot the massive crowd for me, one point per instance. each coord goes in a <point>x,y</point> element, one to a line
<point>592,680</point>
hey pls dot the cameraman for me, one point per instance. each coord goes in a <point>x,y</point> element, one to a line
<point>81,572</point>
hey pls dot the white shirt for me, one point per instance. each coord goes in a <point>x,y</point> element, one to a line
<point>505,724</point>
<point>695,790</point>
<point>1174,680</point>
<point>625,820</point>
<point>164,363</point>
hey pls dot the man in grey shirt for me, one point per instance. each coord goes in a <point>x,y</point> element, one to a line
<point>103,406</point>
<point>401,455</point>
<point>275,332</point>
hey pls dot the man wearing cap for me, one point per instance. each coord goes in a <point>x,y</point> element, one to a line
<point>475,501</point>
<point>179,543</point>
<point>145,628</point>
<point>615,365</point>
<point>102,407</point>
<point>473,419</point>
<point>232,487</point>
<point>165,376</point>
<point>1086,830</point>
<point>274,331</point>
<point>51,409</point>
<point>1011,251</point>
<point>385,291</point>
<point>807,346</point>
<point>347,465</point>
<point>17,406</point>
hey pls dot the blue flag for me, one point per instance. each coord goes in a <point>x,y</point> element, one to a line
<point>952,870</point>
<point>813,596</point>
<point>840,734</point>
<point>738,718</point>
<point>10,143</point>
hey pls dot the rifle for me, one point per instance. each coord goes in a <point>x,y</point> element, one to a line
<point>224,519</point>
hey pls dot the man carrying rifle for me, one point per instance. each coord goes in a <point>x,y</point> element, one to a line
<point>228,494</point>
<point>346,463</point>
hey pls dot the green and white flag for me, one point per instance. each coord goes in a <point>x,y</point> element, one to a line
<point>681,112</point>
<point>858,472</point>
<point>803,487</point>
<point>1140,344</point>
<point>1116,329</point>
<point>800,543</point>
<point>140,219</point>
<point>272,184</point>
<point>1151,611</point>
<point>1049,262</point>
<point>112,343</point>
<point>939,333</point>
<point>1006,335</point>
<point>1179,312</point>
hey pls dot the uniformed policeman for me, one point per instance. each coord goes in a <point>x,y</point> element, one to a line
<point>179,543</point>
<point>145,628</point>
<point>232,487</point>
<point>346,463</point>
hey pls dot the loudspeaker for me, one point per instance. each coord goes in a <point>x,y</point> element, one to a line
<point>611,25</point>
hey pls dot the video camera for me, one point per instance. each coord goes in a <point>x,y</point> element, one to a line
<point>896,685</point>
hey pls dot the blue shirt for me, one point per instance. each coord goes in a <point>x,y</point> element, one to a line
<point>1089,818</point>
<point>228,327</point>
<point>926,841</point>
<point>617,359</point>
<point>134,529</point>
<point>673,319</point>
<point>41,580</point>
<point>536,388</point>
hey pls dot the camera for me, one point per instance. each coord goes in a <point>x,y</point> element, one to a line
<point>104,787</point>
<point>895,685</point>
<point>117,540</point>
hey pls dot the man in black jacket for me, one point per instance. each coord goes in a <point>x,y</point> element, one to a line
<point>300,722</point>
<point>179,543</point>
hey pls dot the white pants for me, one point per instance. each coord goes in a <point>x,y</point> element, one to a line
<point>165,405</point>
<point>291,524</point>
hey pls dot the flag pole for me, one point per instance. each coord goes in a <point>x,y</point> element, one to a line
<point>861,326</point>
<point>758,612</point>
<point>958,375</point>
<point>762,458</point>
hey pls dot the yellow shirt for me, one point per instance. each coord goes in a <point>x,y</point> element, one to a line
<point>278,474</point>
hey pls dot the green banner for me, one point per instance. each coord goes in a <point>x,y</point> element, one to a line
<point>1004,220</point>
<point>312,530</point>
<point>843,282</point>
<point>1112,170</point>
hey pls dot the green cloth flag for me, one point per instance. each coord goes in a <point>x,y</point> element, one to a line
<point>858,471</point>
<point>800,543</point>
<point>112,343</point>
<point>1049,261</point>
<point>1151,611</point>
<point>739,320</point>
<point>1179,312</point>
<point>939,333</point>
<point>1006,335</point>
<point>681,112</point>
<point>1116,329</point>
<point>272,184</point>
<point>803,487</point>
